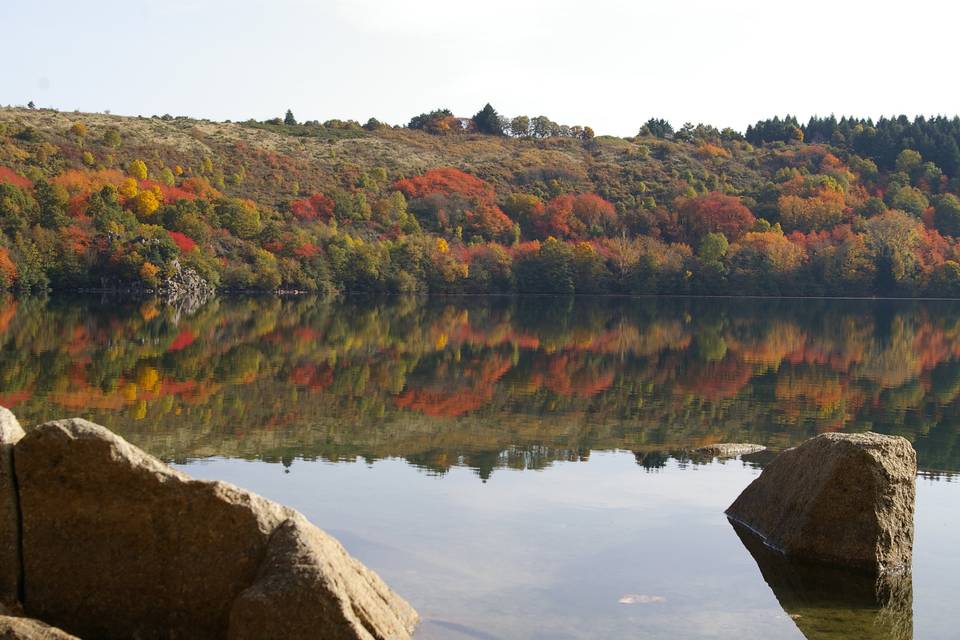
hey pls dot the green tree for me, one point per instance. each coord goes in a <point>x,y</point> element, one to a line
<point>911,200</point>
<point>542,127</point>
<point>487,120</point>
<point>657,127</point>
<point>111,137</point>
<point>166,177</point>
<point>908,160</point>
<point>240,217</point>
<point>288,119</point>
<point>713,247</point>
<point>946,280</point>
<point>891,238</point>
<point>520,126</point>
<point>946,214</point>
<point>549,270</point>
<point>52,205</point>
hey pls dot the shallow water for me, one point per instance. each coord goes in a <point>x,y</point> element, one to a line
<point>524,468</point>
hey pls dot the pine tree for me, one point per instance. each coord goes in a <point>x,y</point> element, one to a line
<point>488,120</point>
<point>289,119</point>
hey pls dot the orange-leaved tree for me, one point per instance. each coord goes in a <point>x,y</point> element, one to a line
<point>447,199</point>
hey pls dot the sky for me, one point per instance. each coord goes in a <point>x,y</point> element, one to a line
<point>604,63</point>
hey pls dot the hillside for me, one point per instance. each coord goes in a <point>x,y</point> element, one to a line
<point>101,201</point>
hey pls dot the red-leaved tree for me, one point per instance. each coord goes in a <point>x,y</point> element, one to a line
<point>449,198</point>
<point>713,213</point>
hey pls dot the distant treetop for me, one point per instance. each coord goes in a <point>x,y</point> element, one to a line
<point>657,127</point>
<point>487,120</point>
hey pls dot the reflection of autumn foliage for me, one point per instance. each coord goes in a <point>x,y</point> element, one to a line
<point>313,377</point>
<point>472,390</point>
<point>11,400</point>
<point>442,403</point>
<point>8,309</point>
<point>8,270</point>
<point>572,374</point>
<point>680,371</point>
<point>778,342</point>
<point>716,380</point>
<point>822,389</point>
<point>183,340</point>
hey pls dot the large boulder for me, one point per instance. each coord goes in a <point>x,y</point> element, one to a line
<point>293,591</point>
<point>843,499</point>
<point>117,544</point>
<point>10,570</point>
<point>28,629</point>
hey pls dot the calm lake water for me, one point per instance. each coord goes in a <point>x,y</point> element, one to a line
<point>522,468</point>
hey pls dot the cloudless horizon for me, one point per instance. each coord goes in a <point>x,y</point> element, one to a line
<point>610,65</point>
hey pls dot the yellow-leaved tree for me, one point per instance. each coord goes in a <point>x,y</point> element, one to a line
<point>128,188</point>
<point>145,204</point>
<point>138,169</point>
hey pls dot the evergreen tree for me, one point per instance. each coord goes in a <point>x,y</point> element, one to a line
<point>289,119</point>
<point>488,121</point>
<point>657,127</point>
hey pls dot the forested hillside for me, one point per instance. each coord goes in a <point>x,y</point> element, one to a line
<point>481,204</point>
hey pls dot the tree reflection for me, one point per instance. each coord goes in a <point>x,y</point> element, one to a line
<point>485,382</point>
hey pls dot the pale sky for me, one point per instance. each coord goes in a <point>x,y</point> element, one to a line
<point>604,63</point>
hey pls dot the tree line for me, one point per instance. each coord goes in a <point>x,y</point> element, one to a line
<point>823,208</point>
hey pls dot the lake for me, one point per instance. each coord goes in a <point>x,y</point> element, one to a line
<point>524,467</point>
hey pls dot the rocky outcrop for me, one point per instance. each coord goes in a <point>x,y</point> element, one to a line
<point>28,629</point>
<point>10,434</point>
<point>181,287</point>
<point>843,499</point>
<point>186,288</point>
<point>117,544</point>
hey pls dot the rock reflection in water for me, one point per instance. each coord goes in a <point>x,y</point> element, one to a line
<point>829,602</point>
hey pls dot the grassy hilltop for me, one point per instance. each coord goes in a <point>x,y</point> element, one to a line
<point>832,207</point>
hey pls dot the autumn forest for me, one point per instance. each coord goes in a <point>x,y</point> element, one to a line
<point>481,204</point>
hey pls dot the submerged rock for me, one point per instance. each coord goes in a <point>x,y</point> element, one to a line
<point>117,544</point>
<point>730,449</point>
<point>28,629</point>
<point>10,434</point>
<point>845,499</point>
<point>827,602</point>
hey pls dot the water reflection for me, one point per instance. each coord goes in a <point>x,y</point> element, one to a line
<point>828,602</point>
<point>486,383</point>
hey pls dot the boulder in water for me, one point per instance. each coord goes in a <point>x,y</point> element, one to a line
<point>843,499</point>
